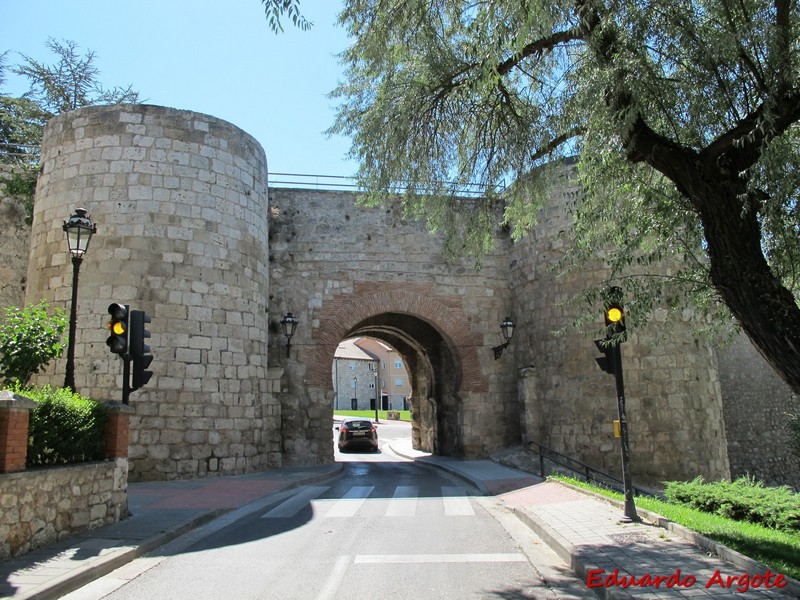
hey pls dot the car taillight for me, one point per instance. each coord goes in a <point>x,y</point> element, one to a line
<point>343,429</point>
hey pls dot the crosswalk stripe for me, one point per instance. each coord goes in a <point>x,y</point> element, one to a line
<point>456,504</point>
<point>437,558</point>
<point>350,502</point>
<point>404,502</point>
<point>295,504</point>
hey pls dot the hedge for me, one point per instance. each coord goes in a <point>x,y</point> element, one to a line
<point>743,500</point>
<point>64,427</point>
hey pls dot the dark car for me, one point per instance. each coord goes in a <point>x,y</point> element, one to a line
<point>356,432</point>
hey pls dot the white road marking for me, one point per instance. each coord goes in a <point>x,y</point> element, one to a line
<point>404,502</point>
<point>335,578</point>
<point>373,559</point>
<point>350,502</point>
<point>456,504</point>
<point>295,504</point>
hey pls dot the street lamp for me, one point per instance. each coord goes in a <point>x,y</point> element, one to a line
<point>79,230</point>
<point>288,325</point>
<point>377,392</point>
<point>507,327</point>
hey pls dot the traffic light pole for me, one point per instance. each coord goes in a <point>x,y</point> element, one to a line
<point>126,378</point>
<point>630,507</point>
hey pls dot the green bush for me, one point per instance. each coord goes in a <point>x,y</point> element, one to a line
<point>742,500</point>
<point>29,339</point>
<point>64,427</point>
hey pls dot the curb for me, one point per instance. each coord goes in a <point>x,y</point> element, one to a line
<point>728,554</point>
<point>104,565</point>
<point>482,488</point>
<point>568,553</point>
<point>115,559</point>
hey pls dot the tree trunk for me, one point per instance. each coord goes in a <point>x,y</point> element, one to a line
<point>766,310</point>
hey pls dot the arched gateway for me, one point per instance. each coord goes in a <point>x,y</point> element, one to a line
<point>436,343</point>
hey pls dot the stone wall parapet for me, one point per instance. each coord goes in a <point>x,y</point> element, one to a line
<point>41,506</point>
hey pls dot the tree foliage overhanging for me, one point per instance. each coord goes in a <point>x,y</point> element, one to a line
<point>69,83</point>
<point>683,116</point>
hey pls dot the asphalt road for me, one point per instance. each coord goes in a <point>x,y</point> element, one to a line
<point>387,528</point>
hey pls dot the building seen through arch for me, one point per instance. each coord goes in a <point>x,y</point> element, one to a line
<point>362,366</point>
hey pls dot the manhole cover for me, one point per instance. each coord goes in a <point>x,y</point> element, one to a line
<point>630,538</point>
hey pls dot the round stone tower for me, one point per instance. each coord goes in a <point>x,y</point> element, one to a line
<point>180,203</point>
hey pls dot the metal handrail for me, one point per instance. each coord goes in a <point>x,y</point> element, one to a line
<point>351,183</point>
<point>588,472</point>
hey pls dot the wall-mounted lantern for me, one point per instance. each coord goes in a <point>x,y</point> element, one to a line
<point>288,325</point>
<point>507,327</point>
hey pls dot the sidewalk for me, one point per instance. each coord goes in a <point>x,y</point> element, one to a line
<point>582,529</point>
<point>586,533</point>
<point>160,512</point>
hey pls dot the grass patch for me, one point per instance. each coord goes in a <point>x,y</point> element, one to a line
<point>779,550</point>
<point>405,415</point>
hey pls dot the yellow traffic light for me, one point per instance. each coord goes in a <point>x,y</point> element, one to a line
<point>118,326</point>
<point>614,314</point>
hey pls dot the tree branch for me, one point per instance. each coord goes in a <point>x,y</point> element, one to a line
<point>540,46</point>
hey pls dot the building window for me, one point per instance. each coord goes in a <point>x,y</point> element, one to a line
<point>398,381</point>
<point>398,364</point>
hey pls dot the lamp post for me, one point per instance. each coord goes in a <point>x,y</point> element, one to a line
<point>289,324</point>
<point>507,327</point>
<point>377,393</point>
<point>79,230</point>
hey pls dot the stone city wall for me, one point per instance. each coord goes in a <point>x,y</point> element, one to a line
<point>186,233</point>
<point>331,259</point>
<point>673,401</point>
<point>42,506</point>
<point>756,403</point>
<point>14,247</point>
<point>180,203</point>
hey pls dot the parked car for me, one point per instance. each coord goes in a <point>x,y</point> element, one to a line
<point>357,432</point>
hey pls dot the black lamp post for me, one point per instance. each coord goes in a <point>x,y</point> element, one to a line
<point>79,230</point>
<point>507,327</point>
<point>289,324</point>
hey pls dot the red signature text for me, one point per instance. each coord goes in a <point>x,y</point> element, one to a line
<point>741,583</point>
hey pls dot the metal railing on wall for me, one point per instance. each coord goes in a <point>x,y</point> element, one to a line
<point>559,463</point>
<point>339,182</point>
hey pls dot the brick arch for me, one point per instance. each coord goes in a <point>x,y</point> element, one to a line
<point>341,313</point>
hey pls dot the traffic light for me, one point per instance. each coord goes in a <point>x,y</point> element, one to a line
<point>615,322</point>
<point>139,351</point>
<point>614,315</point>
<point>605,362</point>
<point>118,326</point>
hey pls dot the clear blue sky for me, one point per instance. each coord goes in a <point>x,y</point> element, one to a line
<point>217,57</point>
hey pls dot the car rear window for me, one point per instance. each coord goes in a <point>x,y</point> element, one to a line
<point>359,425</point>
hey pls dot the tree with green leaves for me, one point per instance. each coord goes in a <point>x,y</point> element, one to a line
<point>69,83</point>
<point>275,9</point>
<point>681,117</point>
<point>29,340</point>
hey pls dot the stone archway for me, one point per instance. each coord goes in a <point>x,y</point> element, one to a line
<point>434,338</point>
